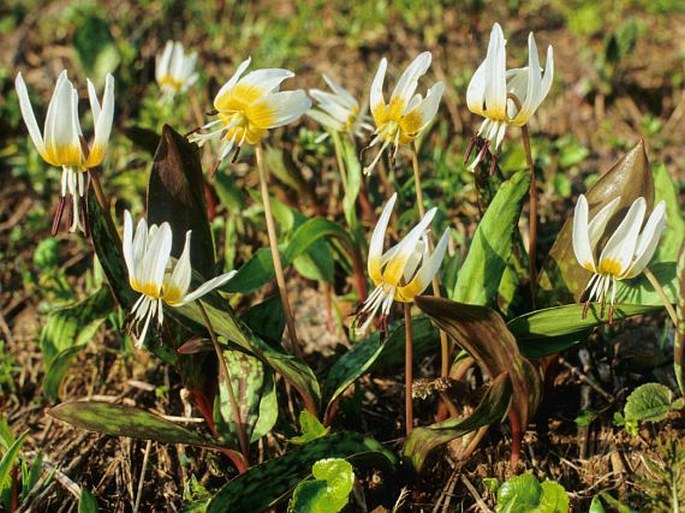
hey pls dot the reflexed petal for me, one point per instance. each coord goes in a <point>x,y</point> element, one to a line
<point>581,235</point>
<point>409,80</point>
<point>268,80</point>
<point>376,97</point>
<point>140,243</point>
<point>599,222</point>
<point>162,67</point>
<point>377,238</point>
<point>495,75</point>
<point>177,61</point>
<point>393,272</point>
<point>428,107</point>
<point>648,241</point>
<point>207,287</point>
<point>93,100</point>
<point>425,274</point>
<point>128,244</point>
<point>28,115</point>
<point>180,278</point>
<point>475,92</point>
<point>61,126</point>
<point>618,253</point>
<point>285,107</point>
<point>103,126</point>
<point>530,101</point>
<point>345,97</point>
<point>325,120</point>
<point>233,80</point>
<point>157,255</point>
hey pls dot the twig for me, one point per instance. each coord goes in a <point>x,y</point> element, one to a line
<point>587,379</point>
<point>141,479</point>
<point>275,255</point>
<point>472,490</point>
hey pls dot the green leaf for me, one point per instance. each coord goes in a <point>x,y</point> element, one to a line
<point>484,335</point>
<point>596,505</point>
<point>266,484</point>
<point>366,354</point>
<point>520,494</point>
<point>481,274</point>
<point>120,420</point>
<point>679,345</point>
<point>650,402</point>
<point>562,279</point>
<point>554,498</point>
<point>255,393</point>
<point>95,47</point>
<point>619,506</point>
<point>87,502</point>
<point>267,320</point>
<point>494,405</point>
<point>353,169</point>
<point>555,329</point>
<point>66,331</point>
<point>674,233</point>
<point>8,460</point>
<point>311,429</point>
<point>334,479</point>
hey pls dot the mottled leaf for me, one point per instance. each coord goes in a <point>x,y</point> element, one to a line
<point>266,484</point>
<point>562,279</point>
<point>494,405</point>
<point>480,276</point>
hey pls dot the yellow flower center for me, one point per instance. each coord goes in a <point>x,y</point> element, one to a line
<point>390,120</point>
<point>171,83</point>
<point>245,114</point>
<point>610,266</point>
<point>171,294</point>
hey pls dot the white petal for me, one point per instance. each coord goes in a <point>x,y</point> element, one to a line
<point>28,115</point>
<point>286,107</point>
<point>183,272</point>
<point>177,62</point>
<point>208,287</point>
<point>345,97</point>
<point>128,244</point>
<point>325,120</point>
<point>376,97</point>
<point>103,126</point>
<point>268,79</point>
<point>581,235</point>
<point>233,80</point>
<point>61,124</point>
<point>157,255</point>
<point>377,238</point>
<point>599,221</point>
<point>648,241</point>
<point>428,107</point>
<point>495,95</point>
<point>409,80</point>
<point>162,67</point>
<point>620,247</point>
<point>428,269</point>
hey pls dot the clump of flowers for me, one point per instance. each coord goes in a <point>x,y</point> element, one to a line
<point>403,118</point>
<point>403,271</point>
<point>248,106</point>
<point>175,70</point>
<point>62,142</point>
<point>625,254</point>
<point>149,263</point>
<point>505,97</point>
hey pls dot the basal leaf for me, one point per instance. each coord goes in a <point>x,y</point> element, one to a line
<point>484,335</point>
<point>674,234</point>
<point>480,276</point>
<point>264,485</point>
<point>120,420</point>
<point>555,329</point>
<point>176,195</point>
<point>494,405</point>
<point>267,320</point>
<point>311,428</point>
<point>562,279</point>
<point>87,502</point>
<point>9,459</point>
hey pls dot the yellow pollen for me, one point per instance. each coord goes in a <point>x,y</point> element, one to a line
<point>610,266</point>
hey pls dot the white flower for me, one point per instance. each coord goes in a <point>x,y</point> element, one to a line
<point>625,254</point>
<point>338,111</point>
<point>402,272</point>
<point>247,107</point>
<point>175,71</point>
<point>62,142</point>
<point>149,263</point>
<point>504,97</point>
<point>402,119</point>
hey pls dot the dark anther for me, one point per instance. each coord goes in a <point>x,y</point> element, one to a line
<point>586,306</point>
<point>469,148</point>
<point>235,154</point>
<point>58,216</point>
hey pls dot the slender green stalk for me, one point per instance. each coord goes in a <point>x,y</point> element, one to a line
<point>408,370</point>
<point>339,158</point>
<point>662,295</point>
<point>444,342</point>
<point>225,375</point>
<point>275,254</point>
<point>532,213</point>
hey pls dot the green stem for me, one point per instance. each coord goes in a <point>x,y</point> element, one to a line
<point>533,214</point>
<point>275,254</point>
<point>662,295</point>
<point>408,370</point>
<point>226,376</point>
<point>339,159</point>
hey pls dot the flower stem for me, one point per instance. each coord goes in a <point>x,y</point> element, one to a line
<point>275,254</point>
<point>444,342</point>
<point>339,158</point>
<point>533,214</point>
<point>226,376</point>
<point>662,295</point>
<point>408,370</point>
<point>104,203</point>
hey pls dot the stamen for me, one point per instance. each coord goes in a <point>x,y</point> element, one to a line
<point>58,216</point>
<point>469,148</point>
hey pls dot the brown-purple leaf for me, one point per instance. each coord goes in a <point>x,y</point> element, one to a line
<point>562,279</point>
<point>176,195</point>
